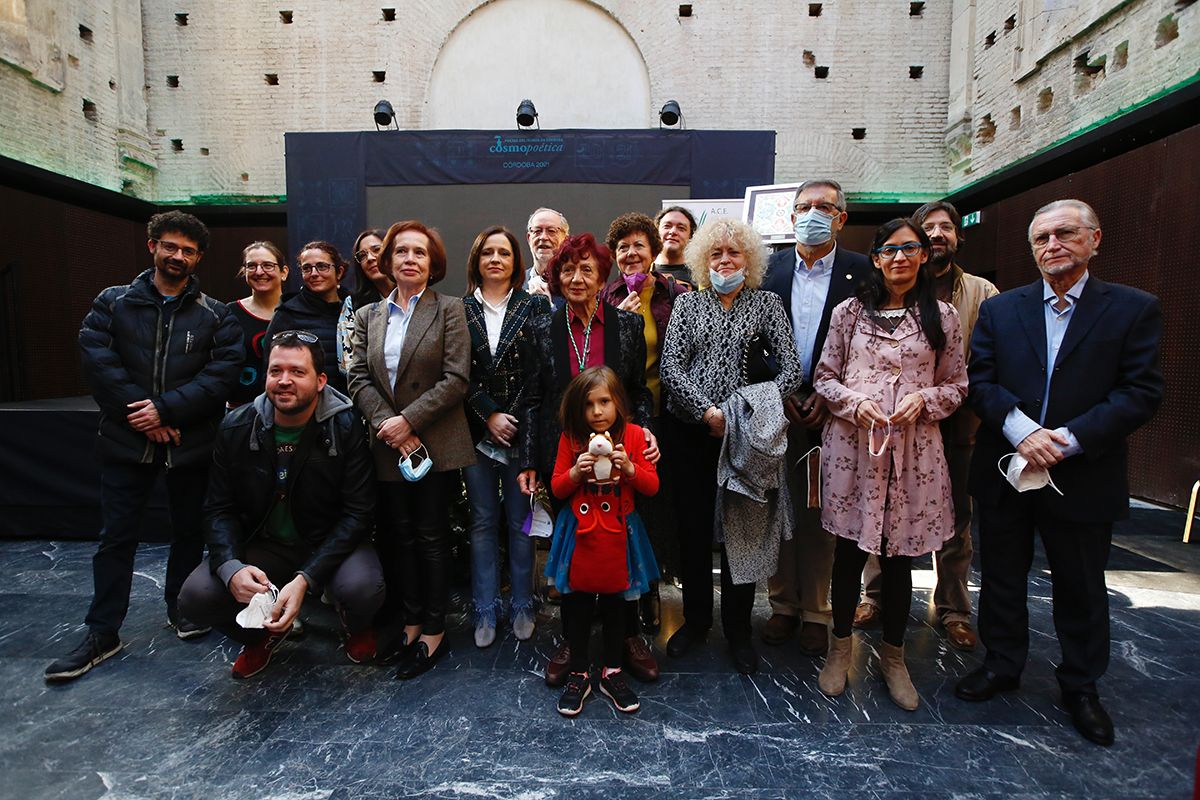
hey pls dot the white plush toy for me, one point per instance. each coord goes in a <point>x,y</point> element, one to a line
<point>601,446</point>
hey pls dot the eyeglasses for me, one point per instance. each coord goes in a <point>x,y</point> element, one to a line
<point>550,231</point>
<point>300,336</point>
<point>824,208</point>
<point>320,267</point>
<point>170,248</point>
<point>361,255</point>
<point>889,251</point>
<point>934,227</point>
<point>268,267</point>
<point>1064,236</point>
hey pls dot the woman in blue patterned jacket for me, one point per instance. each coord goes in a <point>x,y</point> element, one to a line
<point>503,365</point>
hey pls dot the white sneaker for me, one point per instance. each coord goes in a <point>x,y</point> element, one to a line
<point>484,635</point>
<point>523,625</point>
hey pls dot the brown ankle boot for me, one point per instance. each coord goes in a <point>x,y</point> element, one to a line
<point>832,681</point>
<point>895,674</point>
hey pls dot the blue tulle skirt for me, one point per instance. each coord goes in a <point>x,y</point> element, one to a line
<point>643,567</point>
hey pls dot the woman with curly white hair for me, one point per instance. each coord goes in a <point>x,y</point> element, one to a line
<point>725,336</point>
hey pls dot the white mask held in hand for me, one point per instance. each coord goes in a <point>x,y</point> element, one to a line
<point>258,610</point>
<point>887,439</point>
<point>1023,476</point>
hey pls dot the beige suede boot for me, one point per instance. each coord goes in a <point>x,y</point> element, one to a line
<point>895,673</point>
<point>832,680</point>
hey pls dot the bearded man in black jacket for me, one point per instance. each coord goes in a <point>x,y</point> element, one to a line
<point>161,358</point>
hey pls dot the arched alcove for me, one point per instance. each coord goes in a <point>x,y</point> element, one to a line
<point>577,64</point>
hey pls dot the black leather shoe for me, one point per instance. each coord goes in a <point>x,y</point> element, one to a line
<point>420,661</point>
<point>983,684</point>
<point>1090,718</point>
<point>744,657</point>
<point>682,640</point>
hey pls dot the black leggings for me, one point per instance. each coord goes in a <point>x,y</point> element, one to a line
<point>895,596</point>
<point>577,624</point>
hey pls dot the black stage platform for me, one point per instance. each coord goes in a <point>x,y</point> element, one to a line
<point>165,720</point>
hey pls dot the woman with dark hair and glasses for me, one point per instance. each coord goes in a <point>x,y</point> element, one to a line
<point>891,369</point>
<point>503,364</point>
<point>408,375</point>
<point>264,268</point>
<point>317,306</point>
<point>371,284</point>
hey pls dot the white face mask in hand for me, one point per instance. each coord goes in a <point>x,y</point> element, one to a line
<point>887,439</point>
<point>1023,476</point>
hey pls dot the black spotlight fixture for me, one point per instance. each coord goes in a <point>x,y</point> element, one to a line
<point>527,115</point>
<point>384,115</point>
<point>670,116</point>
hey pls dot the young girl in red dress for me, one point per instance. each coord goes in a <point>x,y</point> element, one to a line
<point>600,554</point>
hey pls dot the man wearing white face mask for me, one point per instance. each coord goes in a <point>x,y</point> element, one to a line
<point>811,279</point>
<point>1062,371</point>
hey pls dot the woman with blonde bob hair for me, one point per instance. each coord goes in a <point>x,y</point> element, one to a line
<point>725,336</point>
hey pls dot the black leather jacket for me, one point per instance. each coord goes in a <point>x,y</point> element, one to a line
<point>184,355</point>
<point>331,490</point>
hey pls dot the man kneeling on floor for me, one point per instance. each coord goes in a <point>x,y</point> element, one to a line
<point>290,502</point>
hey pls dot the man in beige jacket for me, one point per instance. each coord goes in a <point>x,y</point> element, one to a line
<point>942,223</point>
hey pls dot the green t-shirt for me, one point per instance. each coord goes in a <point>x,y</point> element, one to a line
<point>280,525</point>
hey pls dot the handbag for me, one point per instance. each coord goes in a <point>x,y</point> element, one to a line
<point>758,362</point>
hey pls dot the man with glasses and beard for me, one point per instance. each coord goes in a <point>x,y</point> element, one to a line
<point>162,358</point>
<point>290,505</point>
<point>942,223</point>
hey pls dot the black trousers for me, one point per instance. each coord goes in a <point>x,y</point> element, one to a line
<point>1078,555</point>
<point>356,587</point>
<point>695,506</point>
<point>124,491</point>
<point>414,548</point>
<point>578,608</point>
<point>895,592</point>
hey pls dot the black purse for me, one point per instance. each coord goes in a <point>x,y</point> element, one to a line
<point>758,362</point>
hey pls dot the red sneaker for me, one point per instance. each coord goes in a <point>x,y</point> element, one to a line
<point>360,647</point>
<point>254,657</point>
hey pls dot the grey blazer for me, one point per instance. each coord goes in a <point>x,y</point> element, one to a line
<point>431,381</point>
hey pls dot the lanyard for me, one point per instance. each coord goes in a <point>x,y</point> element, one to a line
<point>587,337</point>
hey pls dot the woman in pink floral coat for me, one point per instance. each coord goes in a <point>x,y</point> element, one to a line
<point>892,367</point>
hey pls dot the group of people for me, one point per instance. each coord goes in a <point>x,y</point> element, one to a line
<point>817,417</point>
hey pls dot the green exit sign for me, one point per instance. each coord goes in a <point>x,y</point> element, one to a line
<point>973,218</point>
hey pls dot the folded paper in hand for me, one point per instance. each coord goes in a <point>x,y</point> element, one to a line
<point>259,609</point>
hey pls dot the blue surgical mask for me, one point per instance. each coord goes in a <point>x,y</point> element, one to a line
<point>414,473</point>
<point>724,284</point>
<point>813,227</point>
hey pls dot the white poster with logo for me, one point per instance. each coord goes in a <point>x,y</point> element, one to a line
<point>708,209</point>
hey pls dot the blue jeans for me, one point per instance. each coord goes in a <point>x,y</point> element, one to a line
<point>485,481</point>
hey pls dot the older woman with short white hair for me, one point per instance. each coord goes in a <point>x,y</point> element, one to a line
<point>725,336</point>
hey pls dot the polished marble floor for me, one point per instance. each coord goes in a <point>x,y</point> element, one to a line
<point>163,719</point>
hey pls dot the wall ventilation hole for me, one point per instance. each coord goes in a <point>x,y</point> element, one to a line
<point>285,17</point>
<point>126,186</point>
<point>181,20</point>
<point>1087,72</point>
<point>685,10</point>
<point>272,78</point>
<point>1014,118</point>
<point>1045,100</point>
<point>1167,31</point>
<point>814,9</point>
<point>112,85</point>
<point>916,72</point>
<point>916,9</point>
<point>809,59</point>
<point>389,14</point>
<point>987,130</point>
<point>89,111</point>
<point>821,72</point>
<point>989,40</point>
<point>177,145</point>
<point>203,151</point>
<point>858,134</point>
<point>173,81</point>
<point>85,33</point>
<point>379,75</point>
<point>1120,56</point>
<point>245,177</point>
<point>1010,23</point>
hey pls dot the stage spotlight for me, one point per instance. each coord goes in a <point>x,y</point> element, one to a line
<point>527,115</point>
<point>670,114</point>
<point>384,115</point>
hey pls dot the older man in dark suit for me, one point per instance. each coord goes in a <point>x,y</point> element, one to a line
<point>811,279</point>
<point>1062,371</point>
